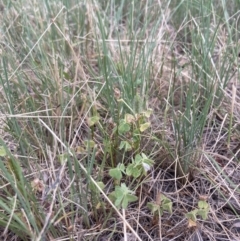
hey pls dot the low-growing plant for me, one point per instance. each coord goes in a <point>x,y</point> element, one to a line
<point>139,167</point>
<point>122,196</point>
<point>130,129</point>
<point>161,204</point>
<point>126,135</point>
<point>202,210</point>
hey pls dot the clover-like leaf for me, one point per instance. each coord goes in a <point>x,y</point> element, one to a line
<point>3,152</point>
<point>89,144</point>
<point>140,165</point>
<point>121,167</point>
<point>162,204</point>
<point>146,160</point>
<point>115,173</point>
<point>136,172</point>
<point>138,159</point>
<point>203,213</point>
<point>132,198</point>
<point>153,207</point>
<point>129,169</point>
<point>146,163</point>
<point>129,118</point>
<point>125,145</point>
<point>144,126</point>
<point>123,196</point>
<point>203,204</point>
<point>127,199</point>
<point>147,113</point>
<point>167,205</point>
<point>192,215</point>
<point>118,201</point>
<point>101,185</point>
<point>123,127</point>
<point>93,120</point>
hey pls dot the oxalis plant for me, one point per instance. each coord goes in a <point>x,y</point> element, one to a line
<point>138,168</point>
<point>127,134</point>
<point>129,129</point>
<point>202,211</point>
<point>161,204</point>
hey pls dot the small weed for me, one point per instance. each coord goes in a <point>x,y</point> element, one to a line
<point>160,205</point>
<point>139,167</point>
<point>202,210</point>
<point>122,196</point>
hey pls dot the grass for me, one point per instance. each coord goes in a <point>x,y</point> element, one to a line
<point>119,120</point>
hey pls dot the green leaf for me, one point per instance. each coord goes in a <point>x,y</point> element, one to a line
<point>129,169</point>
<point>203,205</point>
<point>153,207</point>
<point>124,203</point>
<point>115,173</point>
<point>192,215</point>
<point>122,144</point>
<point>112,196</point>
<point>125,145</point>
<point>118,192</point>
<point>167,206</point>
<point>147,113</point>
<point>203,213</point>
<point>138,159</point>
<point>146,160</point>
<point>146,168</point>
<point>89,144</point>
<point>140,165</point>
<point>123,196</point>
<point>63,158</point>
<point>101,185</point>
<point>149,162</point>
<point>128,147</point>
<point>144,156</point>
<point>121,167</point>
<point>118,201</point>
<point>132,198</point>
<point>164,199</point>
<point>93,120</point>
<point>136,172</point>
<point>127,199</point>
<point>144,126</point>
<point>129,118</point>
<point>3,152</point>
<point>124,188</point>
<point>123,128</point>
